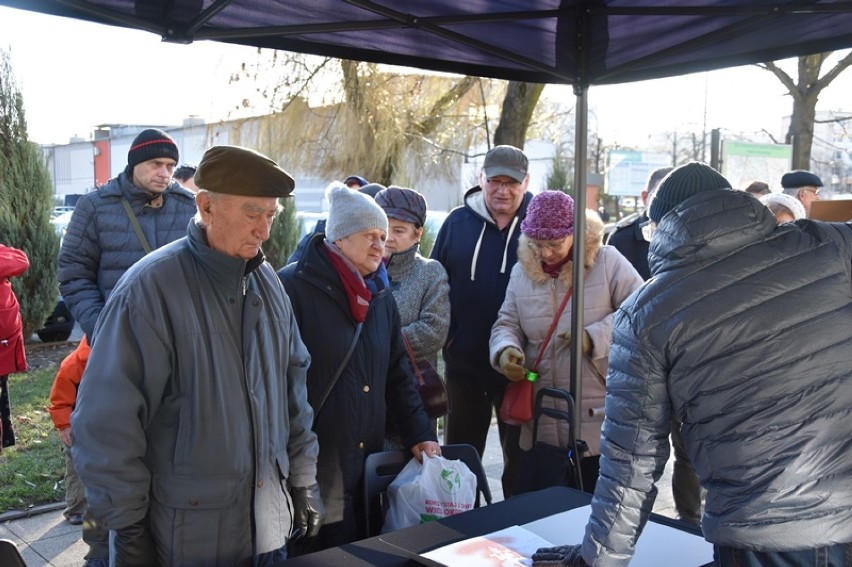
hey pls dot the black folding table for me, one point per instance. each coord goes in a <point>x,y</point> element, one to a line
<point>389,550</point>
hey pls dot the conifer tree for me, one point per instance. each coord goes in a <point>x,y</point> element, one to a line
<point>26,199</point>
<point>284,235</point>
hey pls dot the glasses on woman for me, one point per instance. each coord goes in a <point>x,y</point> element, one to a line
<point>553,246</point>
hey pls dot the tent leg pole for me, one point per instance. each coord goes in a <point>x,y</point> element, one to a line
<point>578,299</point>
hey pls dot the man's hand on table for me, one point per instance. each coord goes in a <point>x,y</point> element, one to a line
<point>562,556</point>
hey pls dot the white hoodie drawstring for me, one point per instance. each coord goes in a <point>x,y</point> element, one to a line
<point>505,249</point>
<point>508,241</point>
<point>476,252</point>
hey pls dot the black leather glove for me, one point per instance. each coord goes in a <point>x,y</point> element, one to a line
<point>564,555</point>
<point>309,510</point>
<point>134,546</point>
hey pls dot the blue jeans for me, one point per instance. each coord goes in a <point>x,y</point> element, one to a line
<point>839,555</point>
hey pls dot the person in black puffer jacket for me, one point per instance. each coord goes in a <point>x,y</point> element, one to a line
<point>744,333</point>
<point>100,243</point>
<point>339,290</point>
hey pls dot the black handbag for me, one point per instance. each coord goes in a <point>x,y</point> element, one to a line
<point>429,384</point>
<point>546,465</point>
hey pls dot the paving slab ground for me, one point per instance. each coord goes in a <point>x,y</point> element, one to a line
<point>47,540</point>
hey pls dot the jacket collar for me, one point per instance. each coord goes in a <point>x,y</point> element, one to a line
<point>708,225</point>
<point>225,271</point>
<point>474,200</point>
<point>401,262</point>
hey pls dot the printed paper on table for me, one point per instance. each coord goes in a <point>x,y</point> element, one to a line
<point>511,547</point>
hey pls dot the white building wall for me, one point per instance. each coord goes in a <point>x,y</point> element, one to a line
<point>72,168</point>
<point>73,164</point>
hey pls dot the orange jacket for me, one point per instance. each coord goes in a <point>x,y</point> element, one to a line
<point>63,394</point>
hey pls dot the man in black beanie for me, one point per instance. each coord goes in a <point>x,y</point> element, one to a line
<point>743,334</point>
<point>111,229</point>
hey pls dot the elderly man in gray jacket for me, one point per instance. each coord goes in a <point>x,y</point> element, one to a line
<point>744,333</point>
<point>192,431</point>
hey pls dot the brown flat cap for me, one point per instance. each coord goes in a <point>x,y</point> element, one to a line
<point>234,170</point>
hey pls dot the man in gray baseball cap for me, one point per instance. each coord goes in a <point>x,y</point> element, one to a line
<point>508,161</point>
<point>477,245</point>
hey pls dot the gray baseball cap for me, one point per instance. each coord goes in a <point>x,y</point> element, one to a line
<point>506,160</point>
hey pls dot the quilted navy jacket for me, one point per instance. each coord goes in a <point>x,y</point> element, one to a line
<point>744,332</point>
<point>478,257</point>
<point>100,243</point>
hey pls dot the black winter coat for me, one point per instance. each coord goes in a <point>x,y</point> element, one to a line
<point>374,385</point>
<point>629,241</point>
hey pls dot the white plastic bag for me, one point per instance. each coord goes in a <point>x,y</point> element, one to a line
<point>422,492</point>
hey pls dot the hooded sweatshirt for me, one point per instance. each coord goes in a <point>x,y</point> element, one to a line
<point>478,257</point>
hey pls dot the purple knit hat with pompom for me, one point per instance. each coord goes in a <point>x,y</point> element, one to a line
<point>550,216</point>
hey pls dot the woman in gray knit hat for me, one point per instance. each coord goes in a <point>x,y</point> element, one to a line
<point>419,285</point>
<point>357,381</point>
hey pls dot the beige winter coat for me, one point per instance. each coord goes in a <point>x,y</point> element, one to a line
<point>532,299</point>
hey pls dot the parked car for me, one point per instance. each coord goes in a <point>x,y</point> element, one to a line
<point>60,210</point>
<point>611,227</point>
<point>58,326</point>
<point>60,223</point>
<point>308,221</point>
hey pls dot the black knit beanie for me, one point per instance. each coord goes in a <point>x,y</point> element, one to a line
<point>151,144</point>
<point>681,184</point>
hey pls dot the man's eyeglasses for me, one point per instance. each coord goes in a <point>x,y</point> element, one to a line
<point>497,184</point>
<point>813,190</point>
<point>541,246</point>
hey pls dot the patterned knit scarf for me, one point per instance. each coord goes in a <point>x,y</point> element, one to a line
<point>353,284</point>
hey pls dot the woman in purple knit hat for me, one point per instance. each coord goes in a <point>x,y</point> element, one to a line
<point>537,286</point>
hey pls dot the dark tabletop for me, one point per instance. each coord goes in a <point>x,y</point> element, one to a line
<point>380,550</point>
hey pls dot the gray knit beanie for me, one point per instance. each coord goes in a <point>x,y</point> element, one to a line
<point>350,212</point>
<point>681,184</point>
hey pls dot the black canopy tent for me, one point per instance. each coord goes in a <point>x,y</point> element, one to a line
<point>579,42</point>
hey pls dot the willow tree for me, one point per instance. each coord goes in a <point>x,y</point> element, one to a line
<point>519,103</point>
<point>805,90</point>
<point>389,126</point>
<point>26,199</point>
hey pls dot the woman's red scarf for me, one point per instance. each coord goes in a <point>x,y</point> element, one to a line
<point>353,284</point>
<point>553,270</point>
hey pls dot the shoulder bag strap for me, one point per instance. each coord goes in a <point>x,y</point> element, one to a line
<point>339,370</point>
<point>552,328</point>
<point>138,229</point>
<point>414,366</point>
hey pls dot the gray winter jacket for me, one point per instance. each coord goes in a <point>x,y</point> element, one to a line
<point>100,243</point>
<point>532,299</point>
<point>422,294</point>
<point>744,331</point>
<point>193,408</point>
